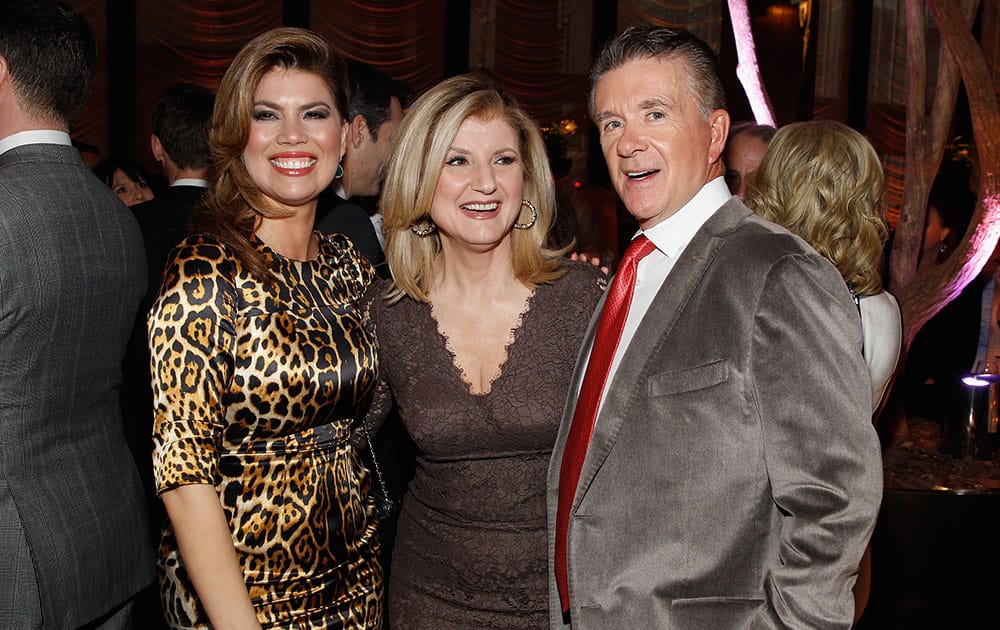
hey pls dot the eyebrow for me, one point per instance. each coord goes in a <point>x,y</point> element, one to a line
<point>497,152</point>
<point>653,103</point>
<point>649,103</point>
<point>603,116</point>
<point>274,105</point>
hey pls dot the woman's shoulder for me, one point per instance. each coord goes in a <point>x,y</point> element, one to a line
<point>341,252</point>
<point>581,286</point>
<point>201,256</point>
<point>881,305</point>
<point>336,244</point>
<point>201,246</point>
<point>583,276</point>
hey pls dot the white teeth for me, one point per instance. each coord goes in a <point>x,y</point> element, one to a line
<point>296,164</point>
<point>637,175</point>
<point>481,207</point>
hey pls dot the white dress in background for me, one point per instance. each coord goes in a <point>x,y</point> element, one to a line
<point>883,332</point>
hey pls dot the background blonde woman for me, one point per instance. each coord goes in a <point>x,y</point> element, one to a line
<point>477,337</point>
<point>823,181</point>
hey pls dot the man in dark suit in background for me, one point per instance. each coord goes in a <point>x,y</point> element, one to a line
<point>181,121</point>
<point>73,546</point>
<point>719,468</point>
<point>375,109</point>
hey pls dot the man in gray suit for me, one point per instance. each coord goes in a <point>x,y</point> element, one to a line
<point>718,468</point>
<point>73,543</point>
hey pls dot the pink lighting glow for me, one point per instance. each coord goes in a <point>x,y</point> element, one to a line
<point>747,69</point>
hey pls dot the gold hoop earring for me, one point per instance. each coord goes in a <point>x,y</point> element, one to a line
<point>534,216</point>
<point>427,230</point>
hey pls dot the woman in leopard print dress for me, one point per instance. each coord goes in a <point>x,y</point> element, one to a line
<point>261,366</point>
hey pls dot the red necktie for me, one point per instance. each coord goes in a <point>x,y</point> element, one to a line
<point>609,331</point>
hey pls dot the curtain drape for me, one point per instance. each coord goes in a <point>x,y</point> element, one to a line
<point>406,40</point>
<point>92,125</point>
<point>189,41</point>
<point>701,17</point>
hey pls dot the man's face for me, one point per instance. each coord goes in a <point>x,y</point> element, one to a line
<point>743,155</point>
<point>364,166</point>
<point>659,147</point>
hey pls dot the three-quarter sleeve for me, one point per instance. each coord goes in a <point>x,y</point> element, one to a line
<point>191,341</point>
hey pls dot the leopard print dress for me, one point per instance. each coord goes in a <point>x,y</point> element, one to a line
<point>256,389</point>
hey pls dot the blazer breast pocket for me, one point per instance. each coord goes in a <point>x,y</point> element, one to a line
<point>717,613</point>
<point>689,379</point>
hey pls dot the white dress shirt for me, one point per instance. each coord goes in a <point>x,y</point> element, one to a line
<point>34,136</point>
<point>190,181</point>
<point>671,236</point>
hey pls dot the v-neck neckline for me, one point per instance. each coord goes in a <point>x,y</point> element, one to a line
<point>509,348</point>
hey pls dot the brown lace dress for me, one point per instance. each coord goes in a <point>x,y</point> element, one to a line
<point>471,544</point>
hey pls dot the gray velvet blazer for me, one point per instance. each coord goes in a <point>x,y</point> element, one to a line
<point>72,272</point>
<point>734,475</point>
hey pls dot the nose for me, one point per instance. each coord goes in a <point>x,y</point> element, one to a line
<point>484,179</point>
<point>630,141</point>
<point>291,131</point>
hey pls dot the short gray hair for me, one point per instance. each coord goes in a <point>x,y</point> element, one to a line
<point>654,42</point>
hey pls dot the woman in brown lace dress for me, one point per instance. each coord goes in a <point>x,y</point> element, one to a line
<point>261,366</point>
<point>477,335</point>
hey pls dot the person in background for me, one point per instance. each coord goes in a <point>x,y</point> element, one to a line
<point>477,334</point>
<point>125,180</point>
<point>824,182</point>
<point>745,147</point>
<point>261,366</point>
<point>945,348</point>
<point>718,467</point>
<point>181,122</point>
<point>179,142</point>
<point>73,546</point>
<point>375,109</point>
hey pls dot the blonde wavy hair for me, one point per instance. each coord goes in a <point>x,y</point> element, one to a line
<point>823,181</point>
<point>417,156</point>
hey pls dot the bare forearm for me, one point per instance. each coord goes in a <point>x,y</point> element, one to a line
<point>206,548</point>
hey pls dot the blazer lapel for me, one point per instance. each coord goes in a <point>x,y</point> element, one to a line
<point>652,333</point>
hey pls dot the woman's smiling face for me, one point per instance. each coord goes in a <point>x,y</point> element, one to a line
<point>296,138</point>
<point>478,194</point>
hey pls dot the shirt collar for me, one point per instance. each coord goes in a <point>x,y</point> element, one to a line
<point>190,181</point>
<point>34,136</point>
<point>674,233</point>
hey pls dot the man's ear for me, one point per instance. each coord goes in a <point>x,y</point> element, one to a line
<point>359,131</point>
<point>157,148</point>
<point>718,122</point>
<point>6,83</point>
